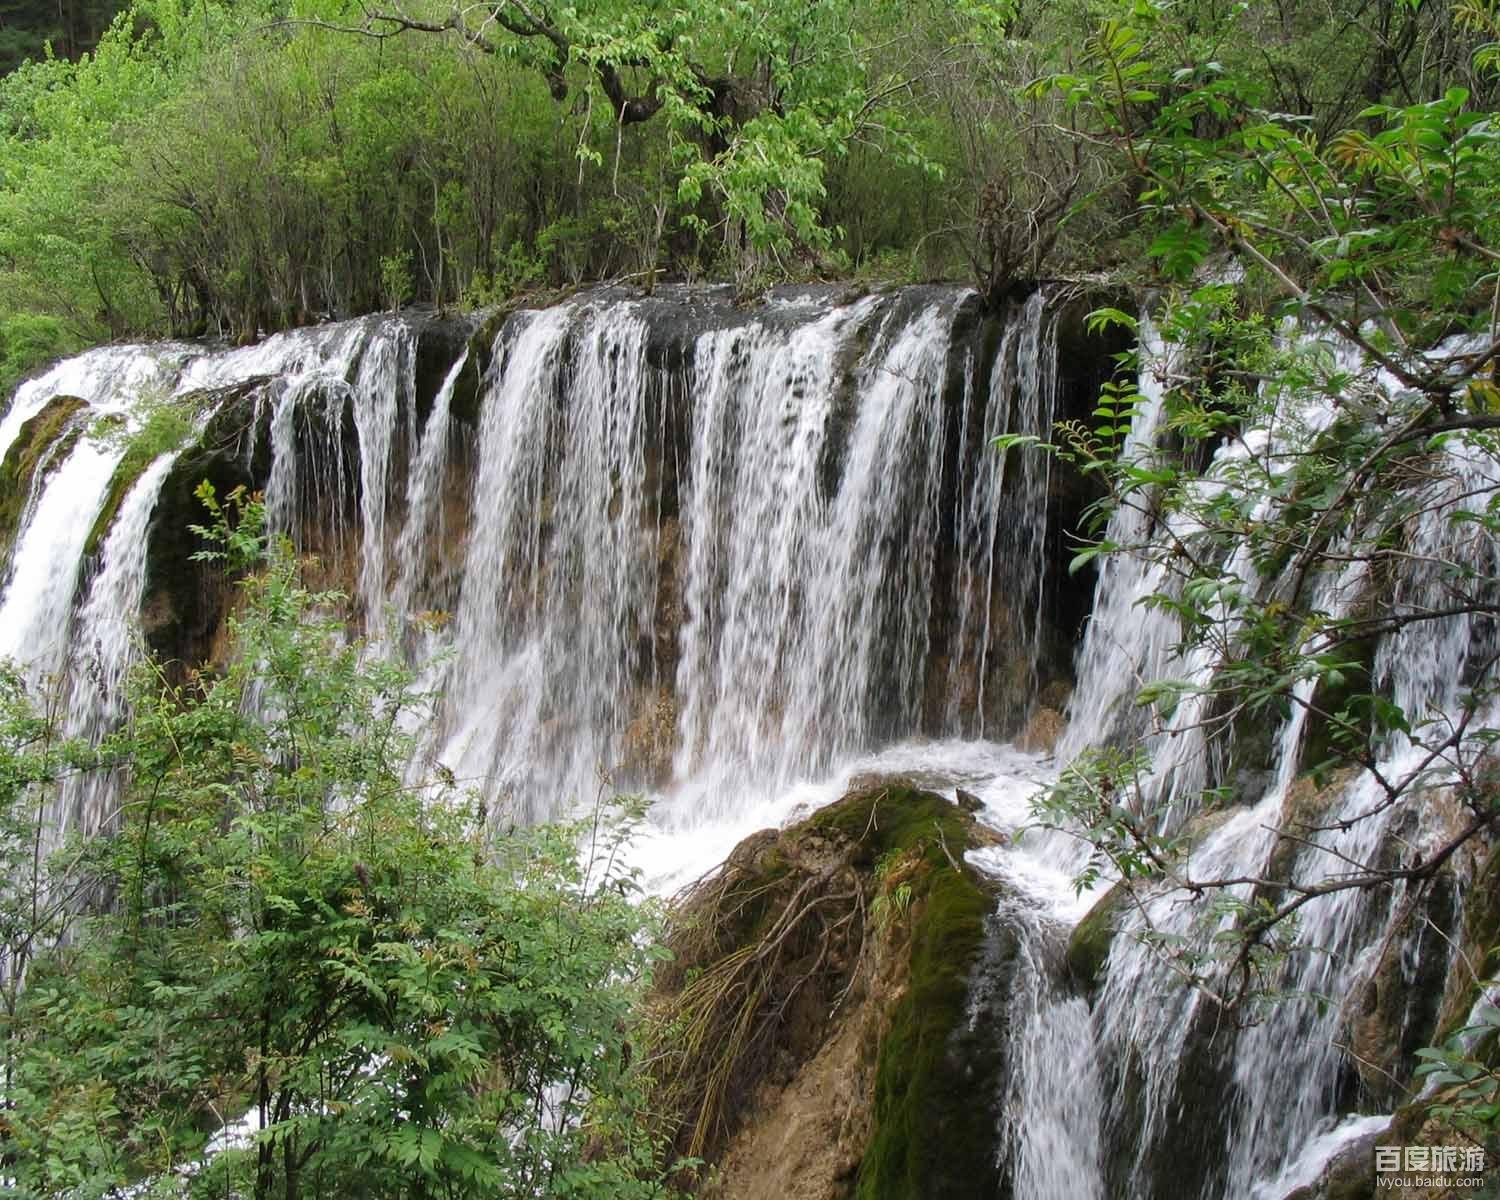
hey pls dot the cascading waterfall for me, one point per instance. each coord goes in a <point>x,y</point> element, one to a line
<point>779,496</point>
<point>765,407</point>
<point>734,558</point>
<point>106,644</point>
<point>1194,1106</point>
<point>46,564</point>
<point>424,526</point>
<point>552,610</point>
<point>807,597</point>
<point>1054,1097</point>
<point>109,378</point>
<point>70,623</point>
<point>1003,514</point>
<point>384,387</point>
<point>739,548</point>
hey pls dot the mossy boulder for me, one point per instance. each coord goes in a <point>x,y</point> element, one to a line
<point>1089,943</point>
<point>41,444</point>
<point>166,427</point>
<point>936,1120</point>
<point>772,954</point>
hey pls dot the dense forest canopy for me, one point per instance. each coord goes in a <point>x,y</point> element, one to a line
<point>239,167</point>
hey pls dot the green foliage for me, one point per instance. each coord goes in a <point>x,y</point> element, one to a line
<point>1099,790</point>
<point>893,894</point>
<point>242,167</point>
<point>252,166</point>
<point>28,340</point>
<point>1309,271</point>
<point>30,30</point>
<point>300,934</point>
<point>1462,1072</point>
<point>926,1129</point>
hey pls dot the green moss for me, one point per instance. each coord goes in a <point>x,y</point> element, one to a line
<point>164,429</point>
<point>930,1137</point>
<point>880,820</point>
<point>41,443</point>
<point>1324,741</point>
<point>1088,947</point>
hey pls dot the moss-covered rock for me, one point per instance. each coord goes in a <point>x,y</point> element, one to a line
<point>165,428</point>
<point>41,444</point>
<point>773,966</point>
<point>1088,945</point>
<point>935,1132</point>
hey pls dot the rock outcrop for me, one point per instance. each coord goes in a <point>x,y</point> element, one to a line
<point>817,1039</point>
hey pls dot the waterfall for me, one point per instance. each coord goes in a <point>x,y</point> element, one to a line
<point>703,552</point>
<point>551,610</point>
<point>1003,509</point>
<point>736,557</point>
<point>71,624</point>
<point>385,386</point>
<point>1194,1105</point>
<point>711,566</point>
<point>807,595</point>
<point>424,526</point>
<point>48,557</point>
<point>1054,1094</point>
<point>110,379</point>
<point>765,409</point>
<point>106,643</point>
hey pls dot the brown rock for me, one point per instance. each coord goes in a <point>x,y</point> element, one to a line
<point>1042,731</point>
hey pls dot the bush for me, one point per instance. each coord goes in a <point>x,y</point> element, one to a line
<point>306,947</point>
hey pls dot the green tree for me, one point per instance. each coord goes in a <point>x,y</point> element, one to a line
<point>298,935</point>
<point>66,28</point>
<point>757,98</point>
